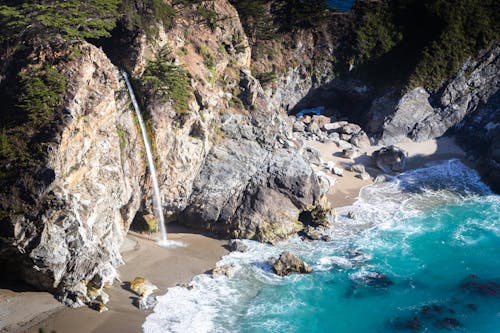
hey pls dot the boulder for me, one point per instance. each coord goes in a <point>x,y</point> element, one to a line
<point>390,159</point>
<point>289,263</point>
<point>321,121</point>
<point>350,129</point>
<point>363,176</point>
<point>312,233</point>
<point>145,303</point>
<point>299,126</point>
<point>224,270</point>
<point>358,168</point>
<point>360,140</point>
<point>350,153</point>
<point>237,245</point>
<point>142,287</point>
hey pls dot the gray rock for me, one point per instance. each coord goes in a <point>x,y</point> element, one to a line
<point>338,171</point>
<point>415,117</point>
<point>312,233</point>
<point>237,245</point>
<point>363,176</point>
<point>313,127</point>
<point>350,153</point>
<point>390,159</point>
<point>299,126</point>
<point>350,129</point>
<point>289,263</point>
<point>360,140</point>
<point>358,168</point>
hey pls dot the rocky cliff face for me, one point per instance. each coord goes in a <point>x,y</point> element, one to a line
<point>225,160</point>
<point>421,116</point>
<point>69,232</point>
<point>479,134</point>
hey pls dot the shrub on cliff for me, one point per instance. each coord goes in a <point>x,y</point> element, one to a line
<point>426,40</point>
<point>72,19</point>
<point>168,80</point>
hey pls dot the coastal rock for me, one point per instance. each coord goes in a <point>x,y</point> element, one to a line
<point>145,303</point>
<point>72,213</point>
<point>224,270</point>
<point>420,117</point>
<point>312,233</point>
<point>350,153</point>
<point>289,263</point>
<point>360,140</point>
<point>237,245</point>
<point>390,159</point>
<point>358,168</point>
<point>142,287</point>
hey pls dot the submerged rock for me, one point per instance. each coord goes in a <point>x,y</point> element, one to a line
<point>289,263</point>
<point>390,159</point>
<point>486,288</point>
<point>448,323</point>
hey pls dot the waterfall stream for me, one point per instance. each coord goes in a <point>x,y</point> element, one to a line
<point>152,170</point>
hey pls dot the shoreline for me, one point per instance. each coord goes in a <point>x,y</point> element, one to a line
<point>143,256</point>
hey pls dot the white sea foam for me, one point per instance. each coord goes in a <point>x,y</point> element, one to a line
<point>216,305</point>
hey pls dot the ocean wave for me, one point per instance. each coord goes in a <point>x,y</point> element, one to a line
<point>384,213</point>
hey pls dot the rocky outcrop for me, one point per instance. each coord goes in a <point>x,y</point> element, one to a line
<point>479,134</point>
<point>68,234</point>
<point>390,159</point>
<point>289,263</point>
<point>421,116</point>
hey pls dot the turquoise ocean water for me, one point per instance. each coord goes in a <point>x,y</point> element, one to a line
<point>422,255</point>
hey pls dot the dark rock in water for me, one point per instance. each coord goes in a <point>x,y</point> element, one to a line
<point>311,233</point>
<point>351,215</point>
<point>472,306</point>
<point>486,288</point>
<point>289,263</point>
<point>448,323</point>
<point>412,324</point>
<point>237,245</point>
<point>326,238</point>
<point>390,159</point>
<point>377,280</point>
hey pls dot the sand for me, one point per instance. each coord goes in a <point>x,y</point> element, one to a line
<point>346,188</point>
<point>166,267</point>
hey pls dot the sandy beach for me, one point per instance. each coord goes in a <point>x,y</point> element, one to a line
<point>346,188</point>
<point>28,311</point>
<point>165,267</point>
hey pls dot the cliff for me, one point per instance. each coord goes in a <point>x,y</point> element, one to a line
<point>224,153</point>
<point>215,93</point>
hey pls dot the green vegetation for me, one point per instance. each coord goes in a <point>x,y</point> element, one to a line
<point>169,80</point>
<point>266,77</point>
<point>39,98</point>
<point>41,93</point>
<point>71,18</point>
<point>144,14</point>
<point>427,40</point>
<point>256,19</point>
<point>122,135</point>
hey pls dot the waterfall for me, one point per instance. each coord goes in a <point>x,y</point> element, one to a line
<point>152,170</point>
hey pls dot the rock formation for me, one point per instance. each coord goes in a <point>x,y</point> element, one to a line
<point>390,159</point>
<point>289,263</point>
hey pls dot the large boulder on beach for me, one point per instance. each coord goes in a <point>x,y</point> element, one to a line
<point>289,263</point>
<point>390,159</point>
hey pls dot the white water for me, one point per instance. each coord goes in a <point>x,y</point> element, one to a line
<point>156,189</point>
